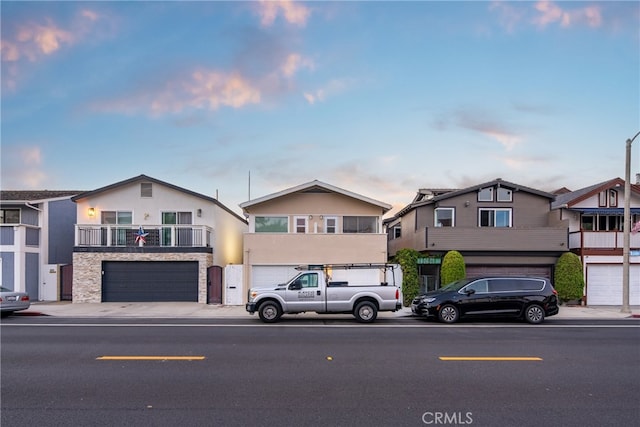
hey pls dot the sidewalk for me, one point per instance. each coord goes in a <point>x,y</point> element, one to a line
<point>196,310</point>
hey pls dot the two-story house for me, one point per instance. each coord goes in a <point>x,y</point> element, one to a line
<point>312,223</point>
<point>596,233</point>
<point>143,239</point>
<point>36,241</point>
<point>499,227</point>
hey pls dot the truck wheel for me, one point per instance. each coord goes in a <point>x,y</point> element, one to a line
<point>365,312</point>
<point>269,312</point>
<point>449,314</point>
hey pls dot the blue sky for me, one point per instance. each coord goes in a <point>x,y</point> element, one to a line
<point>379,98</point>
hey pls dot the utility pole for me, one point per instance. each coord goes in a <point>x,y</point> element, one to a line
<point>627,227</point>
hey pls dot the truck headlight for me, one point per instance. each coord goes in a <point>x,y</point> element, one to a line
<point>253,294</point>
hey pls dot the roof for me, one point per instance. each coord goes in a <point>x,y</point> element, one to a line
<point>568,199</point>
<point>317,187</point>
<point>427,196</point>
<point>35,195</point>
<point>145,178</point>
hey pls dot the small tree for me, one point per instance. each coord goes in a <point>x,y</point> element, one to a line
<point>408,260</point>
<point>568,277</point>
<point>452,268</point>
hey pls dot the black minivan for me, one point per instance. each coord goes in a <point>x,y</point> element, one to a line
<point>528,298</point>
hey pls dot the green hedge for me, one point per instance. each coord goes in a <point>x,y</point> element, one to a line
<point>452,268</point>
<point>408,260</point>
<point>568,278</point>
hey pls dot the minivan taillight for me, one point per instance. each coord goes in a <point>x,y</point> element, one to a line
<point>24,298</point>
<point>555,292</point>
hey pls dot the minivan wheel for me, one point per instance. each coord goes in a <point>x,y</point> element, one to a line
<point>269,312</point>
<point>448,314</point>
<point>534,314</point>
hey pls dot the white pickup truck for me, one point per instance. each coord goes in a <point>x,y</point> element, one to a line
<point>314,290</point>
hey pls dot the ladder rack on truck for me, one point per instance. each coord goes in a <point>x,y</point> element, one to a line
<point>344,266</point>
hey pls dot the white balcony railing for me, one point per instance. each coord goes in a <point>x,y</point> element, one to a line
<point>601,240</point>
<point>98,235</point>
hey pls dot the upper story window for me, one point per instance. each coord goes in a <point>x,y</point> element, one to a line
<point>330,224</point>
<point>495,218</point>
<point>117,217</point>
<point>397,231</point>
<point>272,224</point>
<point>485,194</point>
<point>360,224</point>
<point>301,224</point>
<point>504,195</point>
<point>9,216</point>
<point>613,198</point>
<point>444,217</point>
<point>146,189</point>
<point>177,218</point>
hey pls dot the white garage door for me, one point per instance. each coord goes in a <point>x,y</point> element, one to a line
<point>604,285</point>
<point>266,275</point>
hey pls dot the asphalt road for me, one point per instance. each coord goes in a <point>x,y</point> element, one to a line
<point>68,372</point>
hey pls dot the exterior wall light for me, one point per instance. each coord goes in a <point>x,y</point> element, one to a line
<point>91,212</point>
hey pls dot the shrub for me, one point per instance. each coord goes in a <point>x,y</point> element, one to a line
<point>568,278</point>
<point>408,260</point>
<point>452,268</point>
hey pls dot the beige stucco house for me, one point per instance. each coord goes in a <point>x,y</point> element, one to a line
<point>143,239</point>
<point>312,223</point>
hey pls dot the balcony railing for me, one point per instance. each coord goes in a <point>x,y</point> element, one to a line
<point>601,240</point>
<point>156,235</point>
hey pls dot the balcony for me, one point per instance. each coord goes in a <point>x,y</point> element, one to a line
<point>158,236</point>
<point>484,239</point>
<point>601,240</point>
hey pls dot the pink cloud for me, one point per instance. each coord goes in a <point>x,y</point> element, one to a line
<point>293,12</point>
<point>293,63</point>
<point>550,13</point>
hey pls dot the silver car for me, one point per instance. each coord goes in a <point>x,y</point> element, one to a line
<point>11,301</point>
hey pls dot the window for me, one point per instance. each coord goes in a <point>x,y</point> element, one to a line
<point>183,235</point>
<point>485,195</point>
<point>330,224</point>
<point>444,217</point>
<point>146,189</point>
<point>301,224</point>
<point>9,216</point>
<point>480,287</point>
<point>504,195</point>
<point>602,199</point>
<point>360,224</point>
<point>118,234</point>
<point>272,224</point>
<point>495,218</point>
<point>397,231</point>
<point>587,222</point>
<point>613,198</point>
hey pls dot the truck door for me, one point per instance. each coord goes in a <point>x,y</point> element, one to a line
<point>304,293</point>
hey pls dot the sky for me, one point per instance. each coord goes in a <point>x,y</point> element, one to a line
<point>241,99</point>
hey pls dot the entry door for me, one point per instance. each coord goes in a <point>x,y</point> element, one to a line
<point>304,293</point>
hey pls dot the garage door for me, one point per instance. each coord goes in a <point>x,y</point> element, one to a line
<point>148,281</point>
<point>512,270</point>
<point>263,275</point>
<point>604,285</point>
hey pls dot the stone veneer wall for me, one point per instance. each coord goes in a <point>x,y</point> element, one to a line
<point>87,271</point>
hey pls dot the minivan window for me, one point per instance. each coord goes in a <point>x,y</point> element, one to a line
<point>480,287</point>
<point>515,284</point>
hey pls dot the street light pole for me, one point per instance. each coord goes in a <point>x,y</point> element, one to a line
<point>627,227</point>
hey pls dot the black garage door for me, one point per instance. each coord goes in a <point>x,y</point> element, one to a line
<point>149,281</point>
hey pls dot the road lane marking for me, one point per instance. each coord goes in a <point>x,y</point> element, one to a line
<point>150,358</point>
<point>490,359</point>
